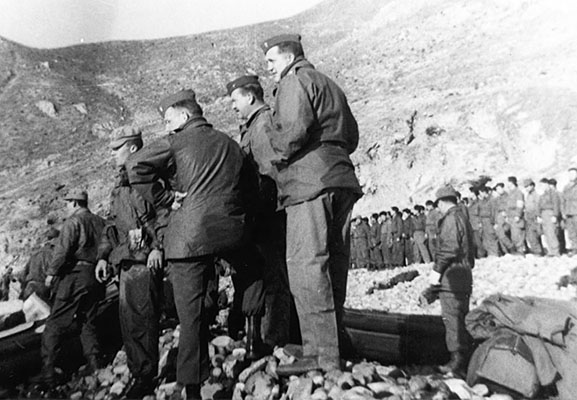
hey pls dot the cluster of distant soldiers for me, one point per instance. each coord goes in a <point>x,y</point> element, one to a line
<point>505,218</point>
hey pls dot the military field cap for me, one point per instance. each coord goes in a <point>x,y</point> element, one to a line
<point>51,233</point>
<point>121,135</point>
<point>276,40</point>
<point>572,169</point>
<point>76,194</point>
<point>169,101</point>
<point>240,82</point>
<point>446,191</point>
<point>544,180</point>
<point>528,182</point>
<point>552,181</point>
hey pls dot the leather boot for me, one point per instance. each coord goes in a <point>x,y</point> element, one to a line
<point>457,365</point>
<point>140,387</point>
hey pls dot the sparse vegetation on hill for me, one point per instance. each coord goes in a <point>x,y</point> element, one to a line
<point>443,90</point>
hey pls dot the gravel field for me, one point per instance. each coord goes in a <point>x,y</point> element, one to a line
<point>512,275</point>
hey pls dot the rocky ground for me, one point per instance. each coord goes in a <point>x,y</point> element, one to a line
<point>512,275</point>
<point>234,377</point>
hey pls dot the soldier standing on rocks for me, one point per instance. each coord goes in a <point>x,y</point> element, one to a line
<point>210,221</point>
<point>398,254</point>
<point>77,292</point>
<point>375,241</point>
<point>549,211</point>
<point>407,237</point>
<point>419,236</point>
<point>515,215</point>
<point>247,98</point>
<point>433,215</point>
<point>557,198</point>
<point>454,260</point>
<point>502,228</point>
<point>487,214</point>
<point>533,229</point>
<point>132,247</point>
<point>315,132</point>
<point>569,209</point>
<point>386,242</point>
<point>475,220</point>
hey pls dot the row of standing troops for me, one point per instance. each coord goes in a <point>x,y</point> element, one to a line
<point>504,218</point>
<point>396,238</point>
<point>508,220</point>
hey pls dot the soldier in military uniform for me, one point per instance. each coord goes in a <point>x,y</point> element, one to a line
<point>533,229</point>
<point>549,211</point>
<point>398,248</point>
<point>569,208</point>
<point>386,241</point>
<point>375,241</point>
<point>419,236</point>
<point>360,235</point>
<point>502,227</point>
<point>315,132</point>
<point>515,215</point>
<point>487,215</point>
<point>247,98</point>
<point>34,274</point>
<point>71,273</point>
<point>476,224</point>
<point>433,215</point>
<point>132,247</point>
<point>210,221</point>
<point>454,260</point>
<point>407,237</point>
<point>557,198</point>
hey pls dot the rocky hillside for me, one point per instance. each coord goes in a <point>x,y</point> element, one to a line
<point>444,90</point>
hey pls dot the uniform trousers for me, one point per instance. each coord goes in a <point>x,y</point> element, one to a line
<point>489,237</point>
<point>318,251</point>
<point>533,234</point>
<point>571,227</point>
<point>139,304</point>
<point>420,247</point>
<point>191,279</point>
<point>75,307</point>
<point>454,308</point>
<point>550,229</point>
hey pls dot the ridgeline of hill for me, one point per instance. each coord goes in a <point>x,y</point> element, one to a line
<point>443,90</point>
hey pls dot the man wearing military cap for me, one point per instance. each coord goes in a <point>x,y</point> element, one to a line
<point>515,203</point>
<point>247,98</point>
<point>533,230</point>
<point>131,245</point>
<point>315,133</point>
<point>454,259</point>
<point>210,168</point>
<point>71,273</point>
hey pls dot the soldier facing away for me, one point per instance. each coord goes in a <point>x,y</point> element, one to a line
<point>210,221</point>
<point>77,292</point>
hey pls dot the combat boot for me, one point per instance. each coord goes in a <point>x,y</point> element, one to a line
<point>457,365</point>
<point>47,376</point>
<point>92,365</point>
<point>140,387</point>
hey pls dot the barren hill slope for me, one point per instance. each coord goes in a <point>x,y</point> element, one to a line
<point>444,90</point>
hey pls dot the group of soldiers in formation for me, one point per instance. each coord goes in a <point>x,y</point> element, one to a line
<point>276,208</point>
<point>505,219</point>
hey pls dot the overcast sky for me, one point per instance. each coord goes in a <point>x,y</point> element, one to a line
<point>57,23</point>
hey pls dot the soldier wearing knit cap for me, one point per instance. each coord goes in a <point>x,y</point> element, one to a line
<point>247,100</point>
<point>315,133</point>
<point>454,259</point>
